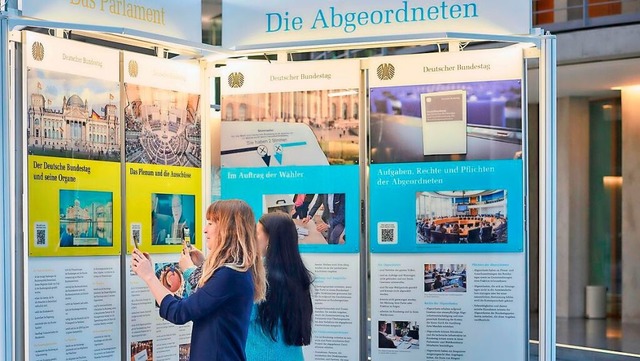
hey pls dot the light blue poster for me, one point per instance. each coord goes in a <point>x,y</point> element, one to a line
<point>447,170</point>
<point>447,207</point>
<point>323,201</point>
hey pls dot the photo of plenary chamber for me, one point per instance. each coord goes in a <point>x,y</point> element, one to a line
<point>401,335</point>
<point>319,218</point>
<point>444,122</point>
<point>472,216</point>
<point>86,218</point>
<point>445,277</point>
<point>162,127</point>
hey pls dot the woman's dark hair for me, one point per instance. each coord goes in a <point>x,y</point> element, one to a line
<point>288,300</point>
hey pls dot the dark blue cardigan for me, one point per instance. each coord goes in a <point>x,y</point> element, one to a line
<point>220,311</point>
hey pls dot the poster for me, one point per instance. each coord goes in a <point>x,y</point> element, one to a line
<point>163,153</point>
<point>73,148</point>
<point>448,307</point>
<point>447,206</point>
<point>289,132</point>
<point>73,308</point>
<point>290,143</point>
<point>446,166</point>
<point>336,307</point>
<point>150,336</point>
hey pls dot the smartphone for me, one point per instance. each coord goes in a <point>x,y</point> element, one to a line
<point>186,236</point>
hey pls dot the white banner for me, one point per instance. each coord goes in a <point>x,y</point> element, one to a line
<point>270,24</point>
<point>72,57</point>
<point>247,77</point>
<point>178,19</point>
<point>177,75</point>
<point>477,65</point>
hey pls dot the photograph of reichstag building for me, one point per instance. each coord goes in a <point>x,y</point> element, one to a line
<point>72,116</point>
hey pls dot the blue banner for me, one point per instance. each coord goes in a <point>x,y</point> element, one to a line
<point>447,207</point>
<point>323,201</point>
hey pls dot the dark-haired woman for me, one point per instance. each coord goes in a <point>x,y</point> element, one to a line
<point>281,325</point>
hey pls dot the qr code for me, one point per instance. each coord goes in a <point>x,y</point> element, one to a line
<point>41,234</point>
<point>387,233</point>
<point>136,229</point>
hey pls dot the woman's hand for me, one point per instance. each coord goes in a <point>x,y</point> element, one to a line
<point>185,261</point>
<point>141,265</point>
<point>197,257</point>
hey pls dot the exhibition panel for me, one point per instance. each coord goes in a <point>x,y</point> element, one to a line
<point>289,128</point>
<point>446,186</point>
<point>413,169</point>
<point>72,132</point>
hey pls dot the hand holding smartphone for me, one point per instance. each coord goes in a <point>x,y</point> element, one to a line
<point>136,245</point>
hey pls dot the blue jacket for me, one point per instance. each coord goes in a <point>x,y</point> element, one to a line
<point>220,311</point>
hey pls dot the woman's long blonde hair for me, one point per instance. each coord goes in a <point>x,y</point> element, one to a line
<point>235,244</point>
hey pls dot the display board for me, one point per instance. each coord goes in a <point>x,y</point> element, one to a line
<point>446,196</point>
<point>289,143</point>
<point>76,131</point>
<point>72,126</point>
<point>448,266</point>
<point>163,152</point>
<point>164,199</point>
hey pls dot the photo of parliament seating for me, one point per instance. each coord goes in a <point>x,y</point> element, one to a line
<point>463,229</point>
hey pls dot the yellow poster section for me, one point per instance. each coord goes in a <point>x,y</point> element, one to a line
<point>74,207</point>
<point>159,199</point>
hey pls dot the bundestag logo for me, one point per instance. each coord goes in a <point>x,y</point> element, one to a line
<point>236,80</point>
<point>37,51</point>
<point>133,68</point>
<point>386,71</point>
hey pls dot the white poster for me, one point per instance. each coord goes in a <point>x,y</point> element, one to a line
<point>74,308</point>
<point>448,306</point>
<point>336,307</point>
<point>150,337</point>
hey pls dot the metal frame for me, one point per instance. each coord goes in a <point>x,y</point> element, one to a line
<point>7,217</point>
<point>548,198</point>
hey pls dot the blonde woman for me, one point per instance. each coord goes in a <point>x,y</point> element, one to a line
<point>233,278</point>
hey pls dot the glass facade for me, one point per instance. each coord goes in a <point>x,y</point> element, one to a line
<point>605,182</point>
